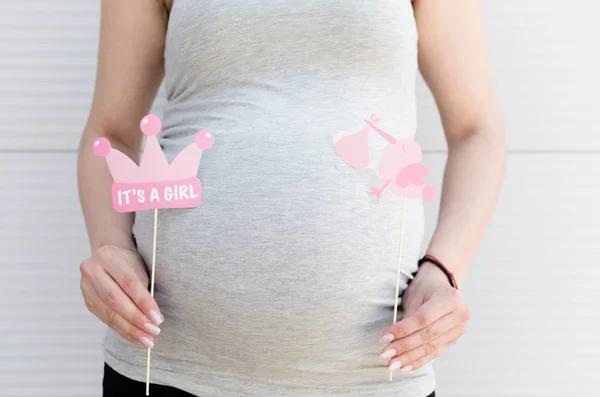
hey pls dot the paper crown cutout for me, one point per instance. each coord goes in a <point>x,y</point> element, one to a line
<point>155,183</point>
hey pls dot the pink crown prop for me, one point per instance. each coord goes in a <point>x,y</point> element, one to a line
<point>155,183</point>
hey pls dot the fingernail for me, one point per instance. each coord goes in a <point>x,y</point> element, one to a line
<point>146,342</point>
<point>155,317</point>
<point>387,338</point>
<point>153,329</point>
<point>407,368</point>
<point>388,353</point>
<point>395,365</point>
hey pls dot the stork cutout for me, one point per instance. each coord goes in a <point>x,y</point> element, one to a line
<point>400,169</point>
<point>400,165</point>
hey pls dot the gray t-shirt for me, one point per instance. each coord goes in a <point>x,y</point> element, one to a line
<point>281,282</point>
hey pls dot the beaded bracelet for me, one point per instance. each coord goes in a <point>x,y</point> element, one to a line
<point>432,259</point>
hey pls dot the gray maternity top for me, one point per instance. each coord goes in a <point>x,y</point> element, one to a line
<point>282,281</point>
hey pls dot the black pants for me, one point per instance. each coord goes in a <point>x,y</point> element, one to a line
<point>116,385</point>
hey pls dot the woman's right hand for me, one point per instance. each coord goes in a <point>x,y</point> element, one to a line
<point>114,285</point>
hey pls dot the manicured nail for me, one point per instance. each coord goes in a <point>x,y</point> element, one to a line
<point>155,317</point>
<point>407,368</point>
<point>395,365</point>
<point>387,338</point>
<point>153,329</point>
<point>388,353</point>
<point>146,342</point>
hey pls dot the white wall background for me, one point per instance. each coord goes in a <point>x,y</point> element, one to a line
<point>533,288</point>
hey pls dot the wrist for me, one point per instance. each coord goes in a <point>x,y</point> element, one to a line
<point>116,238</point>
<point>432,261</point>
<point>431,268</point>
<point>430,271</point>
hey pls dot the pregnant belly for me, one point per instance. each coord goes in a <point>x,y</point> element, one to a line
<point>292,267</point>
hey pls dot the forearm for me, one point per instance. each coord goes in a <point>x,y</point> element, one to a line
<point>104,225</point>
<point>472,181</point>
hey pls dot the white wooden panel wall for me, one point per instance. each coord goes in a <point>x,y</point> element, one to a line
<point>533,286</point>
<point>47,63</point>
<point>49,343</point>
<point>546,56</point>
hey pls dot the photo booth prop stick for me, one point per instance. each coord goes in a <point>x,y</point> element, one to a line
<point>400,170</point>
<point>155,183</point>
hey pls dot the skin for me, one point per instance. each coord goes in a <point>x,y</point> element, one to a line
<point>114,282</point>
<point>453,61</point>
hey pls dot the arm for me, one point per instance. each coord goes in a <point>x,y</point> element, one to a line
<point>453,61</point>
<point>129,72</point>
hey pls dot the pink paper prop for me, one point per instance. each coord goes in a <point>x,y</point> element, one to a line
<point>155,183</point>
<point>399,166</point>
<point>400,169</point>
<point>353,148</point>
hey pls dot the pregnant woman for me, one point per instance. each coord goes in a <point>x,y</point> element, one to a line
<point>282,282</point>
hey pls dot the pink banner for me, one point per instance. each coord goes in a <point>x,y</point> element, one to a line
<point>129,197</point>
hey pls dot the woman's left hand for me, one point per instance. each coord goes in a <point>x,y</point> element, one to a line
<point>435,317</point>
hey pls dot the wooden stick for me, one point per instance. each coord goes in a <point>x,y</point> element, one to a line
<point>151,293</point>
<point>399,266</point>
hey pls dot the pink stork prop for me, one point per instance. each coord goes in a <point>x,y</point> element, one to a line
<point>400,169</point>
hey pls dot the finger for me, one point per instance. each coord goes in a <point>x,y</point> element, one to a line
<point>429,312</point>
<point>112,295</point>
<point>88,293</point>
<point>419,356</point>
<point>424,360</point>
<point>425,335</point>
<point>117,264</point>
<point>115,321</point>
